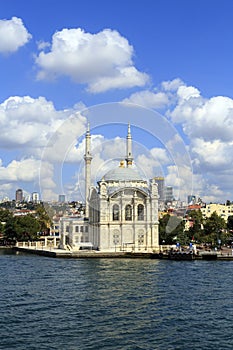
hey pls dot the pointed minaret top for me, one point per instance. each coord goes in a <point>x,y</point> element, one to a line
<point>129,131</point>
<point>87,155</point>
<point>88,128</point>
<point>129,158</point>
<point>87,158</point>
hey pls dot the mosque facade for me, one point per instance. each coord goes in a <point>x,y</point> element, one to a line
<point>121,211</point>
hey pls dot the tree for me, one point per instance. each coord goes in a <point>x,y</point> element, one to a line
<point>5,218</point>
<point>21,228</point>
<point>44,217</point>
<point>163,235</point>
<point>196,231</point>
<point>5,215</point>
<point>214,229</point>
<point>171,230</point>
<point>27,228</point>
<point>230,222</point>
<point>10,234</point>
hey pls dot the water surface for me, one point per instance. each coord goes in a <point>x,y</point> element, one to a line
<point>120,304</point>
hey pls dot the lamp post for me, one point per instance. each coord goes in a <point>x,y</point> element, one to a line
<point>219,239</point>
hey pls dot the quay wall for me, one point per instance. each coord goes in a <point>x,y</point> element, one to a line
<point>57,253</point>
<point>90,254</point>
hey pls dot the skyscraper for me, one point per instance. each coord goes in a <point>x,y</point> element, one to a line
<point>19,195</point>
<point>160,182</point>
<point>191,199</point>
<point>169,194</point>
<point>35,197</point>
<point>61,198</point>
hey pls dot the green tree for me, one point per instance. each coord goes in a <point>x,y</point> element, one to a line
<point>5,215</point>
<point>27,228</point>
<point>214,229</point>
<point>163,235</point>
<point>5,218</point>
<point>44,216</point>
<point>196,231</point>
<point>21,228</point>
<point>171,230</point>
<point>2,227</point>
<point>10,234</point>
<point>230,222</point>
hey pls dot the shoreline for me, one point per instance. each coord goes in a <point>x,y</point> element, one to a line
<point>59,253</point>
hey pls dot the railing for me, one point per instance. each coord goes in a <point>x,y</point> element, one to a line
<point>41,244</point>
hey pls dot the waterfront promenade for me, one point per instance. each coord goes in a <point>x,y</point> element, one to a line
<point>54,252</point>
<point>61,253</point>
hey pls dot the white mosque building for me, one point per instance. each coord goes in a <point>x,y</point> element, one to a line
<point>121,211</point>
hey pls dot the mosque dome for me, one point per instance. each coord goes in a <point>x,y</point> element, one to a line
<point>122,174</point>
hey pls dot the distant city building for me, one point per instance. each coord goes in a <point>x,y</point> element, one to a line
<point>160,182</point>
<point>61,198</point>
<point>191,199</point>
<point>169,194</point>
<point>19,195</point>
<point>27,198</point>
<point>35,197</point>
<point>222,210</point>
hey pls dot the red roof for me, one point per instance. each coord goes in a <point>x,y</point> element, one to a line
<point>194,206</point>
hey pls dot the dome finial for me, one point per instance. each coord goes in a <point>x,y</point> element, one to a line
<point>122,164</point>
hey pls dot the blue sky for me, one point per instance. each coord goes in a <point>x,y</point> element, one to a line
<point>167,64</point>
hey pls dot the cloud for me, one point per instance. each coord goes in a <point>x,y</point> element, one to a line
<point>25,170</point>
<point>13,35</point>
<point>5,189</point>
<point>207,125</point>
<point>209,119</point>
<point>102,61</point>
<point>41,45</point>
<point>172,85</point>
<point>107,154</point>
<point>46,181</point>
<point>148,99</point>
<point>28,123</point>
<point>203,126</point>
<point>181,179</point>
<point>212,155</point>
<point>186,92</point>
<point>61,146</point>
<point>161,155</point>
<point>163,96</point>
<point>29,128</point>
<point>214,194</point>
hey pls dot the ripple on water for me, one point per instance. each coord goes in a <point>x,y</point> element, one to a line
<point>114,304</point>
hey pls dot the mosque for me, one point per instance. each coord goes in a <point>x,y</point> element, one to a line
<point>121,210</point>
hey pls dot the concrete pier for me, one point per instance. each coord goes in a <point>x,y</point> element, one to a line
<point>59,253</point>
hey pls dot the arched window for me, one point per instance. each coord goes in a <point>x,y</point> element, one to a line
<point>140,212</point>
<point>115,212</point>
<point>128,212</point>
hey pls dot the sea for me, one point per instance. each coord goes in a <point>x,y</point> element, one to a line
<point>114,304</point>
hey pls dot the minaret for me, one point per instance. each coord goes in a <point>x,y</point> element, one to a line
<point>129,158</point>
<point>87,158</point>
